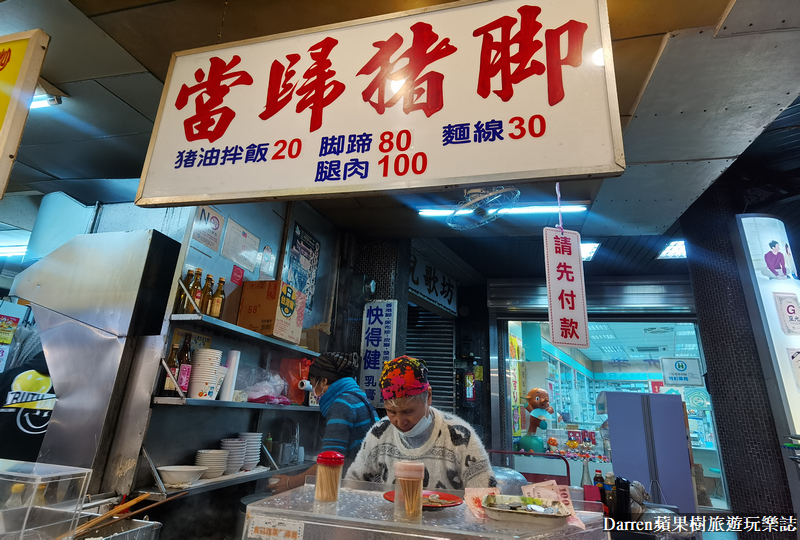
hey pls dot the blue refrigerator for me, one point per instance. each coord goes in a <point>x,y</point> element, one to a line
<point>649,443</point>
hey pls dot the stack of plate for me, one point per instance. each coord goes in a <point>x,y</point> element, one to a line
<point>252,450</point>
<point>236,451</point>
<point>203,379</point>
<point>215,460</point>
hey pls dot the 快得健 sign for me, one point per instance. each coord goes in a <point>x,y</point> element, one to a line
<point>21,58</point>
<point>378,335</point>
<point>566,292</point>
<point>488,92</point>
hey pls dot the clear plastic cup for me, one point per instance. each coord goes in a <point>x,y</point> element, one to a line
<point>409,476</point>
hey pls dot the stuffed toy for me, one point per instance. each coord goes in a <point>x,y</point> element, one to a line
<point>538,398</point>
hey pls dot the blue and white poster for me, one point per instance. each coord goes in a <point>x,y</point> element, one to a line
<point>379,330</point>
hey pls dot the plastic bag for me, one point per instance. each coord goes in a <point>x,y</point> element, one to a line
<point>295,370</point>
<point>262,386</point>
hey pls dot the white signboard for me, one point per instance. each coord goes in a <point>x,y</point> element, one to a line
<point>681,372</point>
<point>432,284</point>
<point>491,92</point>
<point>378,332</point>
<point>566,294</point>
<point>207,227</point>
<point>240,246</point>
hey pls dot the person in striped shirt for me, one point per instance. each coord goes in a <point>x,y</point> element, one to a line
<point>347,411</point>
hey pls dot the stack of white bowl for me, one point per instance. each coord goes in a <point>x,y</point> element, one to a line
<point>236,451</point>
<point>203,379</point>
<point>215,460</point>
<point>252,450</point>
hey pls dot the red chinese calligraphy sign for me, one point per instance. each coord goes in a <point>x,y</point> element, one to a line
<point>566,293</point>
<point>502,90</point>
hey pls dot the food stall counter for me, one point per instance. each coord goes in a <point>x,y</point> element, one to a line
<point>362,513</point>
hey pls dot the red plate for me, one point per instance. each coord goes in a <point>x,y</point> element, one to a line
<point>447,499</point>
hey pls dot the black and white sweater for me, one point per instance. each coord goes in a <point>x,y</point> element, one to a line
<point>454,456</point>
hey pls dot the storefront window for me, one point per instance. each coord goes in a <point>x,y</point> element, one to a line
<point>623,357</point>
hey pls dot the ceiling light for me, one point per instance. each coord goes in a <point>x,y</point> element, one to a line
<point>12,251</point>
<point>612,349</point>
<point>549,209</point>
<point>44,100</point>
<point>588,250</point>
<point>601,327</point>
<point>686,347</point>
<point>435,213</point>
<point>514,210</point>
<point>598,57</point>
<point>604,336</point>
<point>674,250</point>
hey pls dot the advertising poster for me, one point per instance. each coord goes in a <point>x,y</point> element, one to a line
<point>773,274</point>
<point>379,328</point>
<point>303,263</point>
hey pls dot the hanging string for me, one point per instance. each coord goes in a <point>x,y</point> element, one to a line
<point>558,195</point>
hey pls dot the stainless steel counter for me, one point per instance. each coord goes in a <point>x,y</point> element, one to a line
<point>362,514</point>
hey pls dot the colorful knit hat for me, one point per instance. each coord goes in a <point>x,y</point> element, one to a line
<point>334,365</point>
<point>404,377</point>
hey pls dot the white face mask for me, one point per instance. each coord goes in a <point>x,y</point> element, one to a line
<point>419,429</point>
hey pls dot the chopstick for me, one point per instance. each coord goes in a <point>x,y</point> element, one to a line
<point>113,512</point>
<point>130,515</point>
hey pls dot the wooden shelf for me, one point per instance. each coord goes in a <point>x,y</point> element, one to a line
<point>231,330</point>
<point>174,401</point>
<point>202,486</point>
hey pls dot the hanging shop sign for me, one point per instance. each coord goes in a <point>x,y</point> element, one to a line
<point>431,284</point>
<point>566,293</point>
<point>21,58</point>
<point>497,91</point>
<point>379,330</point>
<point>681,372</point>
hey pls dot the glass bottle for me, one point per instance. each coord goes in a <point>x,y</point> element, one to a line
<point>218,300</point>
<point>185,361</point>
<point>586,478</point>
<point>180,299</point>
<point>195,291</point>
<point>174,366</point>
<point>38,498</point>
<point>206,294</point>
<point>15,500</point>
<point>610,486</point>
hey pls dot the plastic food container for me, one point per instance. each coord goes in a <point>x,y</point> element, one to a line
<point>409,476</point>
<point>329,475</point>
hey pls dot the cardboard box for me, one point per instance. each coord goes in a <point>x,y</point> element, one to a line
<point>316,338</point>
<point>272,308</point>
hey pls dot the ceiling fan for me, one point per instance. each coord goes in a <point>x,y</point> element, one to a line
<point>481,206</point>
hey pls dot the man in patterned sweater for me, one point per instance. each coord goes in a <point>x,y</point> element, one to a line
<point>453,455</point>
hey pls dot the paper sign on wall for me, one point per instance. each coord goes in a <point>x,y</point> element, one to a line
<point>681,372</point>
<point>470,95</point>
<point>240,246</point>
<point>566,294</point>
<point>207,227</point>
<point>379,331</point>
